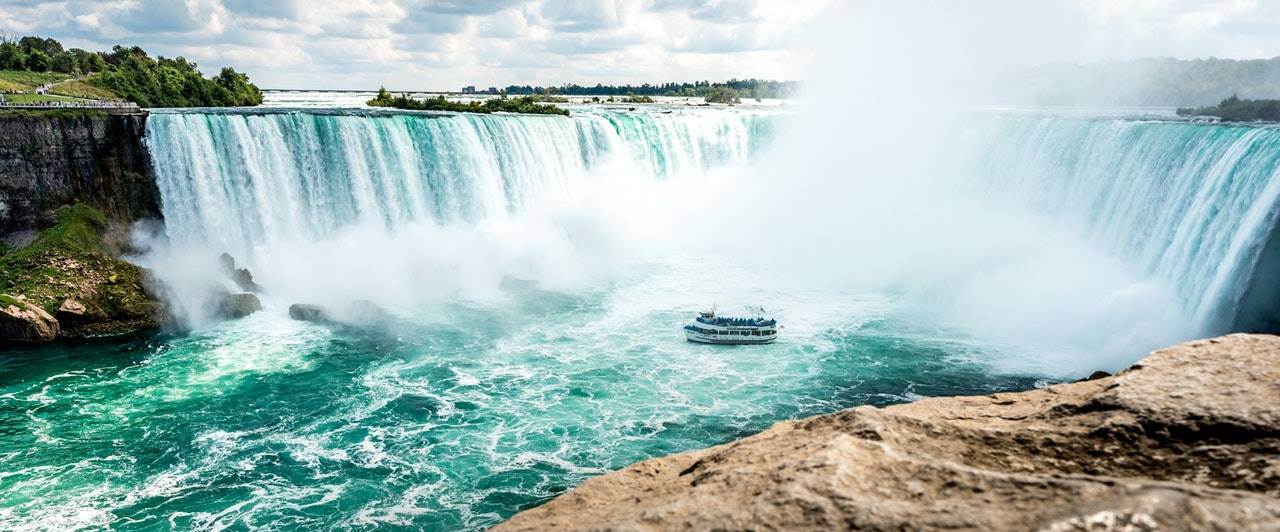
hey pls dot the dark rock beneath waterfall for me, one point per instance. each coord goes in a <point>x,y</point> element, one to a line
<point>235,306</point>
<point>22,321</point>
<point>365,313</point>
<point>306,312</point>
<point>1095,376</point>
<point>241,276</point>
<point>362,314</point>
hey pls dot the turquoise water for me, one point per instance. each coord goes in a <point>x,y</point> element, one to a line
<point>450,420</point>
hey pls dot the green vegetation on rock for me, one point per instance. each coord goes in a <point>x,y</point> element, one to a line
<point>1234,109</point>
<point>525,105</point>
<point>71,260</point>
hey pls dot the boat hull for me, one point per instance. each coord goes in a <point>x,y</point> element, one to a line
<point>693,336</point>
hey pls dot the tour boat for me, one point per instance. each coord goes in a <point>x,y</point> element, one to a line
<point>708,328</point>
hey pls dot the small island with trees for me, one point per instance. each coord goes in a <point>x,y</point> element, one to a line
<point>39,71</point>
<point>1235,109</point>
<point>524,104</point>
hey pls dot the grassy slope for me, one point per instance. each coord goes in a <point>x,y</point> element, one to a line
<point>21,80</point>
<point>80,89</point>
<point>68,260</point>
<point>9,86</point>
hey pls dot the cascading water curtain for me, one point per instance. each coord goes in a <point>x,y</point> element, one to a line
<point>1188,203</point>
<point>235,180</point>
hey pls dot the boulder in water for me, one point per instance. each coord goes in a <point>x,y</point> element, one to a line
<point>234,306</point>
<point>307,312</point>
<point>365,313</point>
<point>241,276</point>
<point>22,321</point>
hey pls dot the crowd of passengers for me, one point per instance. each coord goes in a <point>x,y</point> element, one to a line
<point>739,322</point>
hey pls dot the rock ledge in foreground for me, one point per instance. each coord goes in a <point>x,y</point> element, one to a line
<point>1187,439</point>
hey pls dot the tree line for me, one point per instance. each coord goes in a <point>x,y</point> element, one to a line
<point>1235,109</point>
<point>734,88</point>
<point>131,74</point>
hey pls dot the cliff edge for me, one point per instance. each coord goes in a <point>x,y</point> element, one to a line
<point>59,157</point>
<point>1186,439</point>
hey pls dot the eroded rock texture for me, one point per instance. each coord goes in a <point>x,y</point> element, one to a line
<point>1187,439</point>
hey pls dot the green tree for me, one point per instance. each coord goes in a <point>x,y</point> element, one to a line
<point>722,95</point>
<point>65,63</point>
<point>12,57</point>
<point>38,61</point>
<point>49,47</point>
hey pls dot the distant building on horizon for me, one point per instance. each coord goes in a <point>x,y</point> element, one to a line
<point>492,90</point>
<point>469,89</point>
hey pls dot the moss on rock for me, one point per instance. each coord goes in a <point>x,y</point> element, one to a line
<point>70,260</point>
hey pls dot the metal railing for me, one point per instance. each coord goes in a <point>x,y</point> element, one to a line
<point>95,104</point>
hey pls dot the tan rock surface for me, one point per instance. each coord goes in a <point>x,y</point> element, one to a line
<point>22,321</point>
<point>1187,439</point>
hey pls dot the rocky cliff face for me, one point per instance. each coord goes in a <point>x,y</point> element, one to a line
<point>52,159</point>
<point>1187,439</point>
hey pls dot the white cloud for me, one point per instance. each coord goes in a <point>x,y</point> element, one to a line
<point>444,44</point>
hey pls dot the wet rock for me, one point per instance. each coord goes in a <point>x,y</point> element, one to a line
<point>1095,376</point>
<point>241,276</point>
<point>366,314</point>
<point>306,312</point>
<point>234,306</point>
<point>515,284</point>
<point>22,321</point>
<point>1188,439</point>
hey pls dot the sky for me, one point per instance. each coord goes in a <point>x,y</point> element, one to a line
<point>446,44</point>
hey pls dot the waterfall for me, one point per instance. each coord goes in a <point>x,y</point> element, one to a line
<point>236,180</point>
<point>1191,204</point>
